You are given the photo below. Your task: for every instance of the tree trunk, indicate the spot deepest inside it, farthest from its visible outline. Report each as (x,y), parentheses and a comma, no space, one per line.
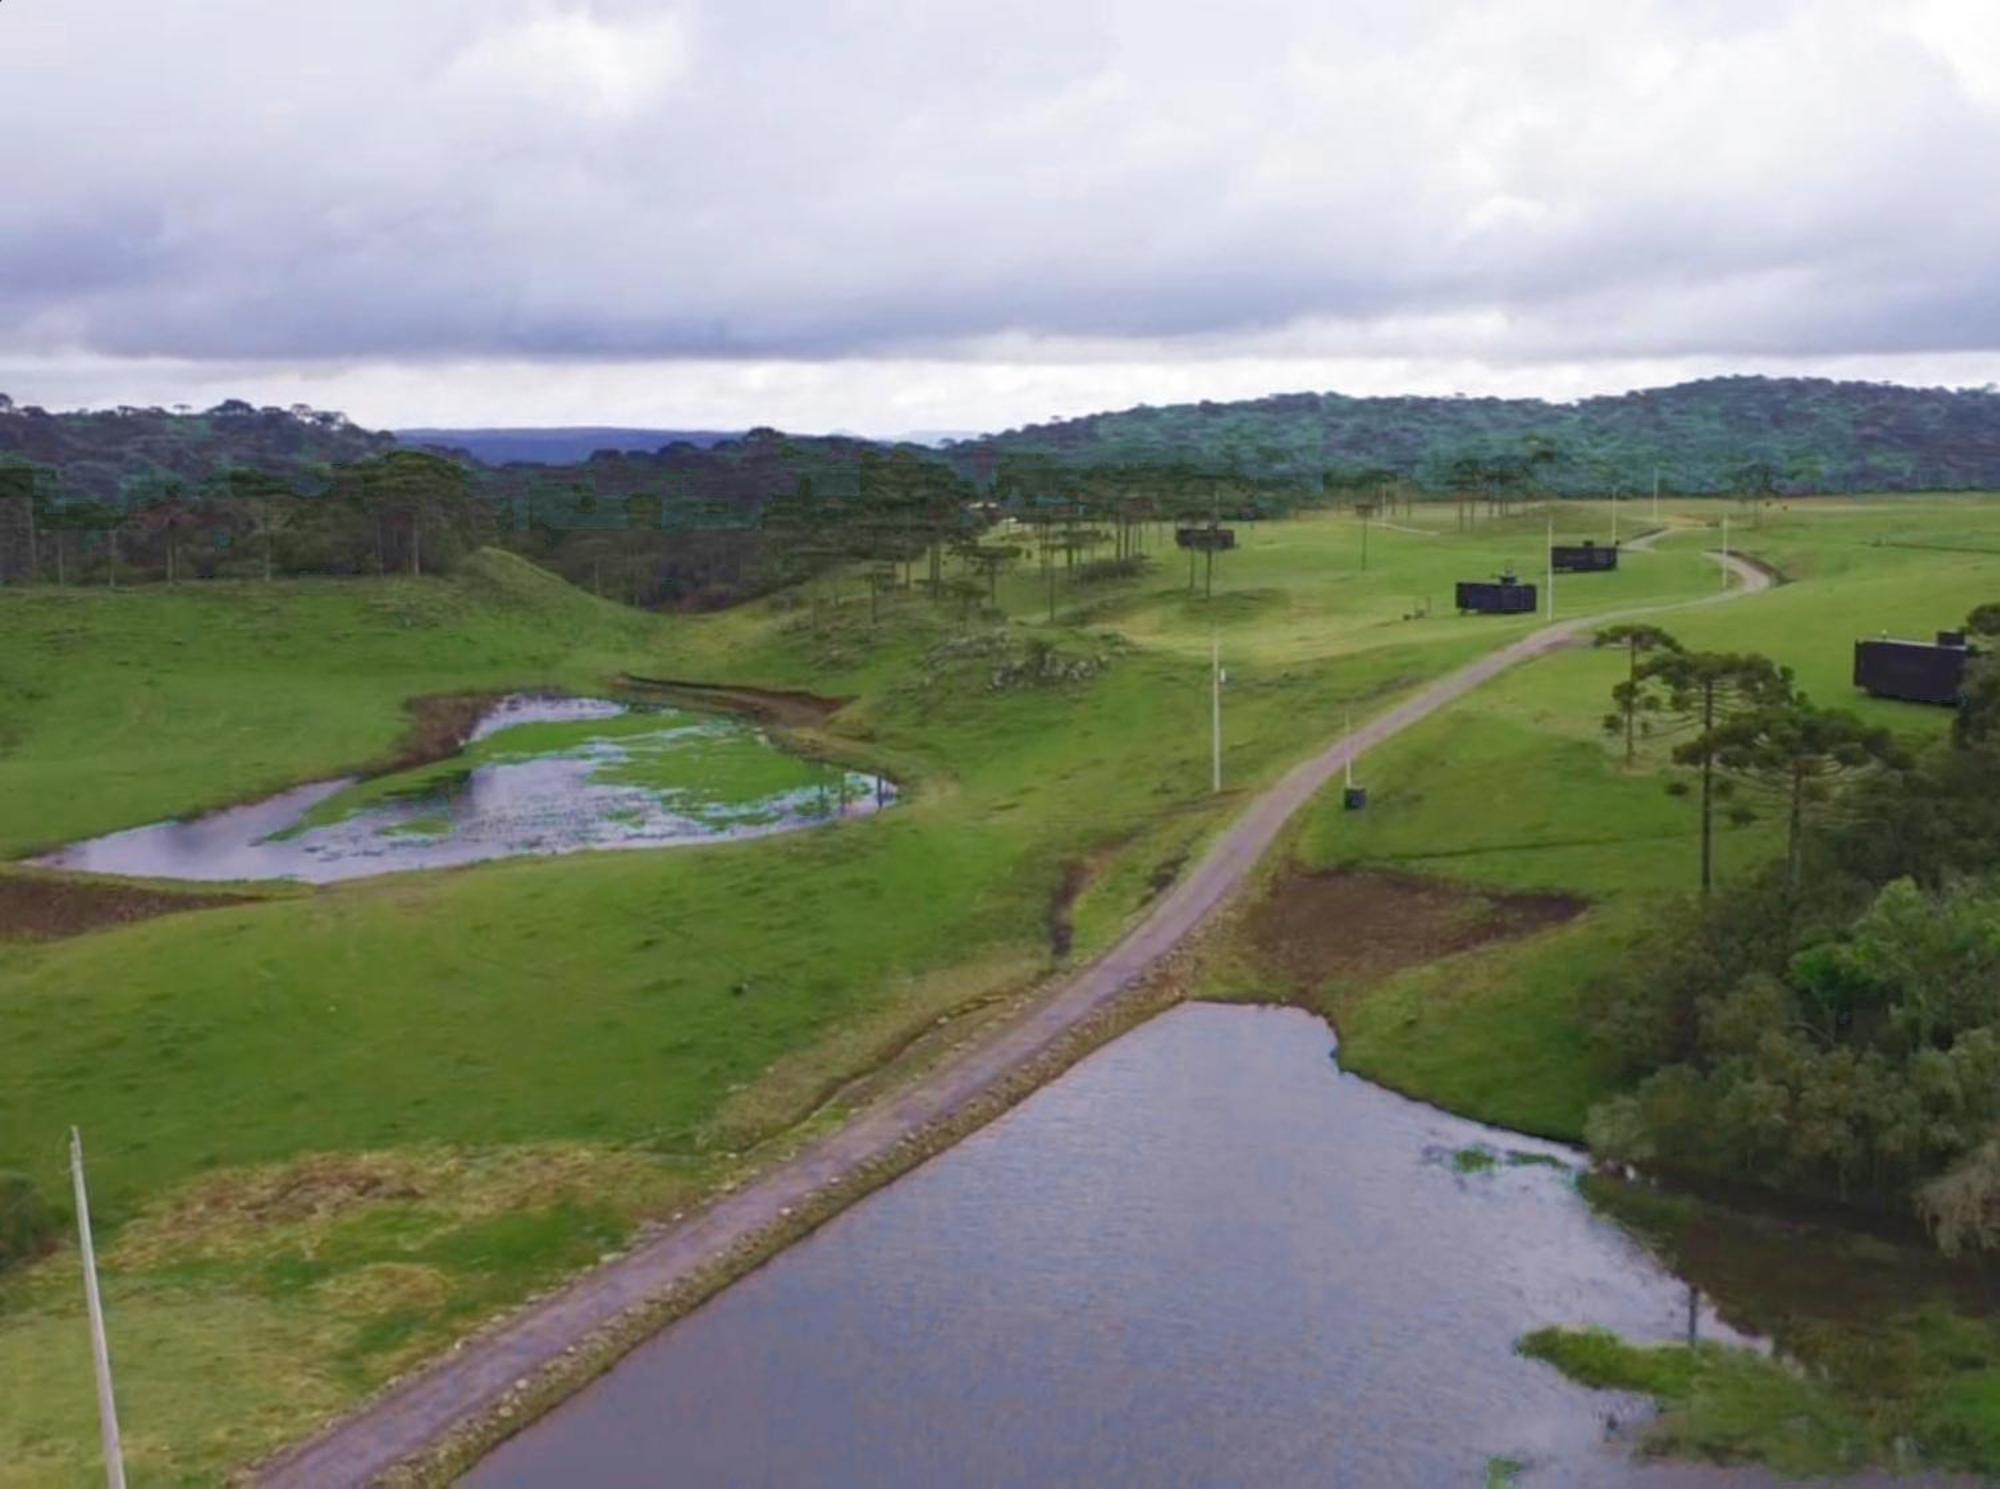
(1792,834)
(1631,698)
(1707,793)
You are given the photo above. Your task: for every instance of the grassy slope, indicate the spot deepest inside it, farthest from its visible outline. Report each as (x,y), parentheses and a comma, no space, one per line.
(653,1010)
(1519,788)
(128,707)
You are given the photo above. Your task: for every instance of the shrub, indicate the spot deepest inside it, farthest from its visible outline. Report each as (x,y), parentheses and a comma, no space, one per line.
(27,1225)
(1098,571)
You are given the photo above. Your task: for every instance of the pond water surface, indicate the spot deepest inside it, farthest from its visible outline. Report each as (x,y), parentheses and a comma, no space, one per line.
(1205,1256)
(537,776)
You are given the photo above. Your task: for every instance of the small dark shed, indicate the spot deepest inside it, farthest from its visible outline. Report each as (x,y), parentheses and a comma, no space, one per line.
(1504,596)
(1204,539)
(1914,671)
(1583,558)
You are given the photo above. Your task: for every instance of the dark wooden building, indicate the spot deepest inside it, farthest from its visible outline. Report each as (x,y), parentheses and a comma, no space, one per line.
(1583,558)
(1205,539)
(1503,596)
(1914,671)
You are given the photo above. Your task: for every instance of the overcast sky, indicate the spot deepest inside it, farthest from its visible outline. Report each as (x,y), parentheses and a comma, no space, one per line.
(895,216)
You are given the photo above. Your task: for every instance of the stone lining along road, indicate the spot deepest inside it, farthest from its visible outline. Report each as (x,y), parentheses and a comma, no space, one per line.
(413,1416)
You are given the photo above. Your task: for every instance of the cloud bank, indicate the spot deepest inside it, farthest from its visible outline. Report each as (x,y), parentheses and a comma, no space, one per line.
(765,212)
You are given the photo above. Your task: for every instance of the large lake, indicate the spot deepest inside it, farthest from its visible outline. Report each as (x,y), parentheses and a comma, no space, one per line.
(1205,1256)
(538,776)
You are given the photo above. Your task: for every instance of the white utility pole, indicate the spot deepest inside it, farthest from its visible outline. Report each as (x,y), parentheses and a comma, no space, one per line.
(107,1408)
(1215,710)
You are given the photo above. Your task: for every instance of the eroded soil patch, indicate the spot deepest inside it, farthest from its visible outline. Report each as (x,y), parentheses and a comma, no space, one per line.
(1350,927)
(37,908)
(793,710)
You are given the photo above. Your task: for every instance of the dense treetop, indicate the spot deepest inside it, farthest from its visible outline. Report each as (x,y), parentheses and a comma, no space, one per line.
(119,455)
(1806,434)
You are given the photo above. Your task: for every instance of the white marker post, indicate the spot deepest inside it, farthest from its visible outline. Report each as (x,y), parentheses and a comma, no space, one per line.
(107,1408)
(1215,711)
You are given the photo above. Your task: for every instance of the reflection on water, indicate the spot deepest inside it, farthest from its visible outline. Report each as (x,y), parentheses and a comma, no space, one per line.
(1205,1256)
(590,773)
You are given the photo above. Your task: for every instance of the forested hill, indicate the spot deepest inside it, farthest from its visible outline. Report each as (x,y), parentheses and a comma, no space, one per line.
(1804,434)
(119,456)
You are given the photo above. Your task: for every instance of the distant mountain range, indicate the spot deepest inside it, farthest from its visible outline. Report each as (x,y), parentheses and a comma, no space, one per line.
(560,445)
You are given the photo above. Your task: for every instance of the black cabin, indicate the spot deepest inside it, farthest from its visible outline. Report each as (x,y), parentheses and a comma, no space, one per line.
(1583,558)
(1504,596)
(1205,539)
(1914,671)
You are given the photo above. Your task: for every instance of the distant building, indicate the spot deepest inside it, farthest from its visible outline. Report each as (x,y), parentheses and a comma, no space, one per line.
(1914,671)
(1204,539)
(1504,596)
(1583,558)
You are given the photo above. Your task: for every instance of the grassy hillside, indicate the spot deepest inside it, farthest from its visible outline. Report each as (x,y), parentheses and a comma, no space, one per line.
(332,1130)
(133,705)
(1519,788)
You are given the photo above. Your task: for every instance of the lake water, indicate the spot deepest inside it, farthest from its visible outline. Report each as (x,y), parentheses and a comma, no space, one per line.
(538,776)
(1205,1256)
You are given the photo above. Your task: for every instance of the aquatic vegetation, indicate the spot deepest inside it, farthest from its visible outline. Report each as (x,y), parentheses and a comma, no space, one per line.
(537,776)
(1721,1403)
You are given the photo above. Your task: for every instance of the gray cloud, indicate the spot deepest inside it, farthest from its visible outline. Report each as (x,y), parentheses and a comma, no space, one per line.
(229,181)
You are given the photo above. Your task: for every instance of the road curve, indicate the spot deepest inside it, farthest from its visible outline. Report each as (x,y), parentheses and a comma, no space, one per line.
(416,1414)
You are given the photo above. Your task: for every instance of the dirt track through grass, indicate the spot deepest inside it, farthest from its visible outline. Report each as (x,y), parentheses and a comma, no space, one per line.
(490,1373)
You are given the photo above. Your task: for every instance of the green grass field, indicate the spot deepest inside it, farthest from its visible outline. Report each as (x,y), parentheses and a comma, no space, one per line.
(479,1080)
(1519,788)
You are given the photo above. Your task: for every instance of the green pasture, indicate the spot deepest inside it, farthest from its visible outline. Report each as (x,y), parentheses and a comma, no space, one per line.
(1519,787)
(657,1017)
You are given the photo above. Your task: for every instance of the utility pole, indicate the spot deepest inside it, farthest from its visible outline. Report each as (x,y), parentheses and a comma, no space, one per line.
(1215,710)
(1725,550)
(107,1408)
(1614,516)
(1656,493)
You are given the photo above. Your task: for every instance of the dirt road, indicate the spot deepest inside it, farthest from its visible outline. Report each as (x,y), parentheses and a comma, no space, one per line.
(477,1379)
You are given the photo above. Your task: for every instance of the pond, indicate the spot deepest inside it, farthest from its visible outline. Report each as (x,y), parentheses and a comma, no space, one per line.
(537,776)
(1204,1256)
